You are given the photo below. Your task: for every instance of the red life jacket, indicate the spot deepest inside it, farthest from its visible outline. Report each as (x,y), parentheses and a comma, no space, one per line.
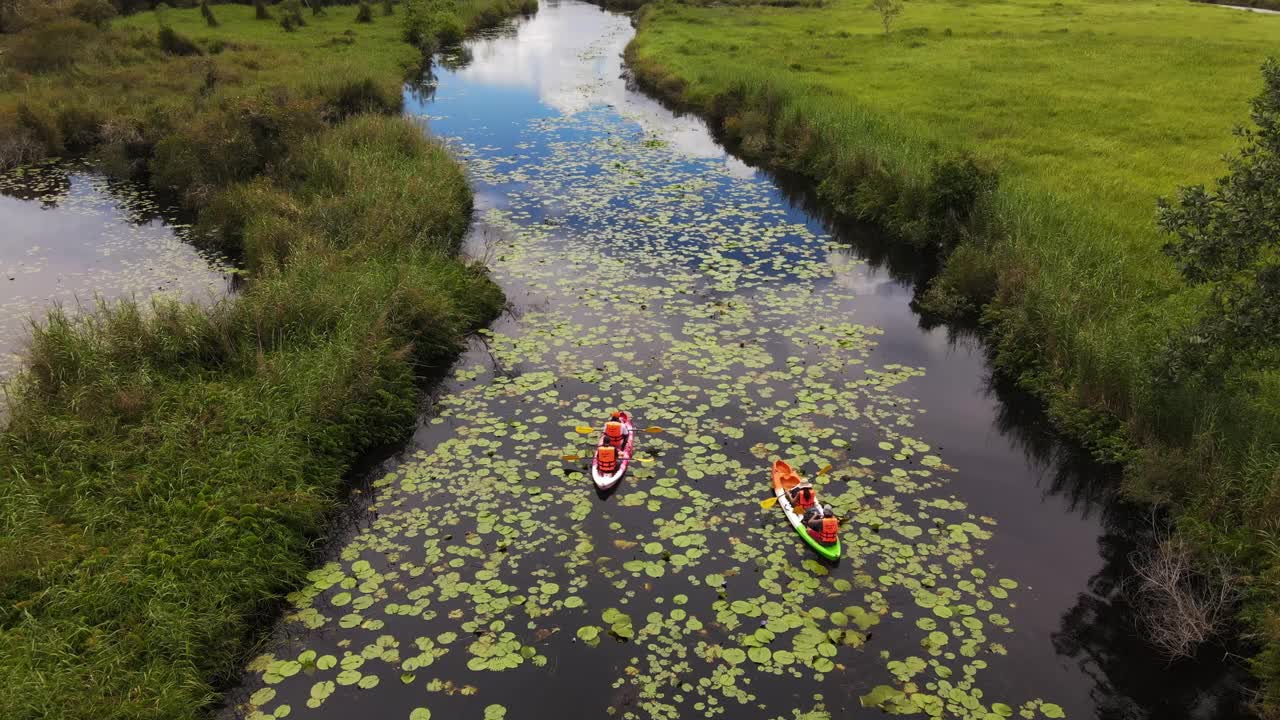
(830,528)
(607,459)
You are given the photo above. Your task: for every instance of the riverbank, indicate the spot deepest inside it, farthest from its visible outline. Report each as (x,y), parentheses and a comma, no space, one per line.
(166,469)
(943,133)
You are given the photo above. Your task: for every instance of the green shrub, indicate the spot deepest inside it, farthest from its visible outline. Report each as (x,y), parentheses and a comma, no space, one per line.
(292,10)
(958,191)
(360,95)
(95,12)
(80,126)
(50,47)
(42,125)
(260,11)
(175,43)
(365,13)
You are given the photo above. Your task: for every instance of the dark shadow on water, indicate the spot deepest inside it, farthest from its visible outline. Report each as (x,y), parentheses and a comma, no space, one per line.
(1100,634)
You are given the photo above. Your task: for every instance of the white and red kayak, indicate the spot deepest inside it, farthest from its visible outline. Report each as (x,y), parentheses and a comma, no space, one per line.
(613,452)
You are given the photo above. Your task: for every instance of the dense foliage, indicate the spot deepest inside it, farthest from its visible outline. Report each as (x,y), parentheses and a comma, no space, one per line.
(1230,238)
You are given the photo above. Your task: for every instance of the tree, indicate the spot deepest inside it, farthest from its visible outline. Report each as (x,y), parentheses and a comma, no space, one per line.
(207,14)
(260,10)
(1229,239)
(365,13)
(889,10)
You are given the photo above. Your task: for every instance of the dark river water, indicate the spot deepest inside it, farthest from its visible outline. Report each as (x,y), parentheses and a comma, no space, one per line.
(483,577)
(69,237)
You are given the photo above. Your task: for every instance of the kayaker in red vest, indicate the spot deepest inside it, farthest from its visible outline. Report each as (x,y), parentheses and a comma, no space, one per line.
(822,523)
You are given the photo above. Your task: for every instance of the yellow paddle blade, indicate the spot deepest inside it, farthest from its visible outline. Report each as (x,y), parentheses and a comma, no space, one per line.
(585,430)
(824,471)
(770,502)
(570,458)
(654,429)
(645,459)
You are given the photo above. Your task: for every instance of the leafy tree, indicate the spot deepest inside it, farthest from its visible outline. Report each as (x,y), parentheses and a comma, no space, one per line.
(1229,238)
(889,10)
(365,14)
(260,10)
(388,8)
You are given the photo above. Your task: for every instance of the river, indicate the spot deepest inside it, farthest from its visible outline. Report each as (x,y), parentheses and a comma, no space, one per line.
(482,576)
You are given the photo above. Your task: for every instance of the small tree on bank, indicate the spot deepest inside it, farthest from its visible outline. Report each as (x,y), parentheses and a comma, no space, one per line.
(889,10)
(205,12)
(388,8)
(260,10)
(365,14)
(1228,239)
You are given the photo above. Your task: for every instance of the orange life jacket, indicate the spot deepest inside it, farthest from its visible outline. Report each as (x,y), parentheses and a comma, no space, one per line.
(803,498)
(607,459)
(830,528)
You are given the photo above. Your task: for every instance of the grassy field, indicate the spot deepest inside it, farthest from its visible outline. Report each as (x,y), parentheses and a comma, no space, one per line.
(1029,143)
(165,470)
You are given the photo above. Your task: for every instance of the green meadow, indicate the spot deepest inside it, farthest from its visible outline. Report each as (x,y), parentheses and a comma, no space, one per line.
(165,470)
(1059,125)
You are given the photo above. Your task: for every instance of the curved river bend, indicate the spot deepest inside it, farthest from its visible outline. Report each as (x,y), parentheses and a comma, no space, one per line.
(648,269)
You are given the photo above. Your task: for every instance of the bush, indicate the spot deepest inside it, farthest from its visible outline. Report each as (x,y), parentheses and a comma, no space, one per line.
(959,188)
(260,10)
(431,23)
(174,43)
(365,14)
(17,145)
(94,12)
(356,96)
(50,47)
(292,11)
(388,8)
(80,127)
(42,126)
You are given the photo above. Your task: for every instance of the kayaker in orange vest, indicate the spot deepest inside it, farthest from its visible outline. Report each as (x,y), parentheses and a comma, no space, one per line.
(822,523)
(802,496)
(614,435)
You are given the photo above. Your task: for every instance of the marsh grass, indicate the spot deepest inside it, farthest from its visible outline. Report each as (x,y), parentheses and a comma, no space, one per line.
(1086,113)
(165,468)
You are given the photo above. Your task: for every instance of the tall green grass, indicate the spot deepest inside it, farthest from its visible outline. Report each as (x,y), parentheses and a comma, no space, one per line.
(165,469)
(1085,112)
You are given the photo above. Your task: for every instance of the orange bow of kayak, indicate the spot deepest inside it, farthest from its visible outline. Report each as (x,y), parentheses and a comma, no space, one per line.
(784,478)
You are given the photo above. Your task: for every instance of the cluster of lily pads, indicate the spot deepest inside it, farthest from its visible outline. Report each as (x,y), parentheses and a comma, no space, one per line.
(71,235)
(490,570)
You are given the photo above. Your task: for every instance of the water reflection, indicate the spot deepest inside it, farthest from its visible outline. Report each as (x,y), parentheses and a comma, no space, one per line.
(71,235)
